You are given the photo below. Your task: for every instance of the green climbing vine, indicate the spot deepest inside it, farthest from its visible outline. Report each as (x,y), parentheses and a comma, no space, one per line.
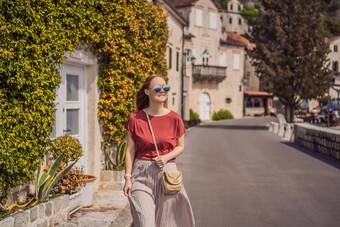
(129,38)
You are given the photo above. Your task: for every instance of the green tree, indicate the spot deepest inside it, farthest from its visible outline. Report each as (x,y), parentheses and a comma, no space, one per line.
(331,26)
(249,13)
(290,55)
(223,4)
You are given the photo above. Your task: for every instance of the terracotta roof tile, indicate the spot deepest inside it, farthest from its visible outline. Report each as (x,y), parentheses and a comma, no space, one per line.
(234,36)
(259,93)
(331,39)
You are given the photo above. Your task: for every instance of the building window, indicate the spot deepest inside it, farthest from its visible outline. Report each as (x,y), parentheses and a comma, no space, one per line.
(213,20)
(239,7)
(239,21)
(223,59)
(335,48)
(205,57)
(249,103)
(335,66)
(257,102)
(173,101)
(187,53)
(231,6)
(170,56)
(177,61)
(198,17)
(230,20)
(236,61)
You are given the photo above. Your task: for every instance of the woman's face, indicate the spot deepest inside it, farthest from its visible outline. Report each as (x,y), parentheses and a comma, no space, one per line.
(156,96)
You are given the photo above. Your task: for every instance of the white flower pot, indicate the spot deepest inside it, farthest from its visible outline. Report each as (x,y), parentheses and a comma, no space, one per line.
(87,195)
(75,202)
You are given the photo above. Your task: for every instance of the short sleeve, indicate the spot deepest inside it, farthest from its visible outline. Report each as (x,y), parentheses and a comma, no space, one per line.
(130,127)
(180,128)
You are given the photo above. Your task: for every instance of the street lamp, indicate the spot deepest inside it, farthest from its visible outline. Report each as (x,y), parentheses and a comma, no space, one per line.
(193,59)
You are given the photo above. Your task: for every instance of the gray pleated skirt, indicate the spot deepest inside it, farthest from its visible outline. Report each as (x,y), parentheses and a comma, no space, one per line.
(150,207)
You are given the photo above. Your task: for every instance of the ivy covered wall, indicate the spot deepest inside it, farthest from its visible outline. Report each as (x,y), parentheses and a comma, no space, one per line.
(129,39)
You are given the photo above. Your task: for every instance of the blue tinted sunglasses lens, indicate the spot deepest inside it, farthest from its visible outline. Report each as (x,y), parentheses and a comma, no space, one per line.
(166,87)
(157,88)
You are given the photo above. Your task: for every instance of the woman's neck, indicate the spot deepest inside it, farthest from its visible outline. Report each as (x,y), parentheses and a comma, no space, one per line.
(156,109)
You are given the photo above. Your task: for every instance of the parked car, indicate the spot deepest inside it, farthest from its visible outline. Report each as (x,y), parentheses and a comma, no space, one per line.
(333,106)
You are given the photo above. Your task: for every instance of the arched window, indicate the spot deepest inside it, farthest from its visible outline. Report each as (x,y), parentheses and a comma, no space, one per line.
(335,66)
(205,57)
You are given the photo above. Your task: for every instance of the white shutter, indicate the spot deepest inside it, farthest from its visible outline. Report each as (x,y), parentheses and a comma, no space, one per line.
(194,53)
(213,20)
(223,59)
(236,61)
(198,17)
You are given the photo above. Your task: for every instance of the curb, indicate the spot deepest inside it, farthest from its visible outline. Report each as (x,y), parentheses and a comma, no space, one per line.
(124,218)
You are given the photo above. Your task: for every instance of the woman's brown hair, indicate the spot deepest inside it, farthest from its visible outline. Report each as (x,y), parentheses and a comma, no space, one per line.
(142,100)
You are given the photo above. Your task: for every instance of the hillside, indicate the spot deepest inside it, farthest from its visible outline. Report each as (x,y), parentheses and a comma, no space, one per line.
(330,10)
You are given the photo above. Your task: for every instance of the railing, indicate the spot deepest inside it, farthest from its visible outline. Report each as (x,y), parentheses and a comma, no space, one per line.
(202,72)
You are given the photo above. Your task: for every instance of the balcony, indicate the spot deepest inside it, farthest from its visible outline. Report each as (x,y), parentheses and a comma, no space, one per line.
(206,72)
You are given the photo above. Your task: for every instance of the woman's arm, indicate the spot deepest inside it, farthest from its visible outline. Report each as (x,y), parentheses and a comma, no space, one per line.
(129,157)
(162,160)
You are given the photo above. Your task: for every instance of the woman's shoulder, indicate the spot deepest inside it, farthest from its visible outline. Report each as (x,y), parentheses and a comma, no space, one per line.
(174,115)
(136,115)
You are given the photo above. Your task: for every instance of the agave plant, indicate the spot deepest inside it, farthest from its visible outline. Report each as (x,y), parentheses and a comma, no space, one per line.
(121,150)
(120,154)
(46,181)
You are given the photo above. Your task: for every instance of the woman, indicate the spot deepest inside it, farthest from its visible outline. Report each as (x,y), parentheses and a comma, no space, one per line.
(150,207)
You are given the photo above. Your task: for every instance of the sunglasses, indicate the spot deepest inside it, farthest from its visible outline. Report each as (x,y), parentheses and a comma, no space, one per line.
(157,88)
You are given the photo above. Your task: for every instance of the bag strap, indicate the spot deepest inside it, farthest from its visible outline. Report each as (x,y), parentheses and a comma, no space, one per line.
(153,136)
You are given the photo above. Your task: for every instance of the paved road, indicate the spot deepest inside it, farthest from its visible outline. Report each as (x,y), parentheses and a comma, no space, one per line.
(237,173)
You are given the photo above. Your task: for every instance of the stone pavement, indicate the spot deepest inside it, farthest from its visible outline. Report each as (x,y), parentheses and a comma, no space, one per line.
(110,209)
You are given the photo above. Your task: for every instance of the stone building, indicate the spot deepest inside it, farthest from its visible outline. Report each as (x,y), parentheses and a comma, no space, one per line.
(232,21)
(213,65)
(334,60)
(174,56)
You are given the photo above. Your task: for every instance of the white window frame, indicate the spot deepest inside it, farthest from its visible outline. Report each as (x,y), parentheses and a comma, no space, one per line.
(199,17)
(213,20)
(187,55)
(205,57)
(236,61)
(223,59)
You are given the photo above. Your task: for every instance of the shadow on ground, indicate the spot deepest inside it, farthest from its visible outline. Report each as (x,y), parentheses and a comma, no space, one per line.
(322,157)
(234,127)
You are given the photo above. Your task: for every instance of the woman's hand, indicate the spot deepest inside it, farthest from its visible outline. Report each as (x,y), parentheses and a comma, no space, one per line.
(127,187)
(161,161)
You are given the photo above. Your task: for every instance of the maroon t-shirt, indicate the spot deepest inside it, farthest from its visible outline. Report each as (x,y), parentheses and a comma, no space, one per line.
(167,129)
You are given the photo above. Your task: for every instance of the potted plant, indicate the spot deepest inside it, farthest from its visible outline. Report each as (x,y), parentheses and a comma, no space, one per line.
(113,177)
(44,184)
(72,182)
(87,195)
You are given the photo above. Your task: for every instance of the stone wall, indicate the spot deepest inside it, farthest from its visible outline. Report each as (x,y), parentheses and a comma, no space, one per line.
(252,111)
(52,213)
(19,193)
(319,139)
